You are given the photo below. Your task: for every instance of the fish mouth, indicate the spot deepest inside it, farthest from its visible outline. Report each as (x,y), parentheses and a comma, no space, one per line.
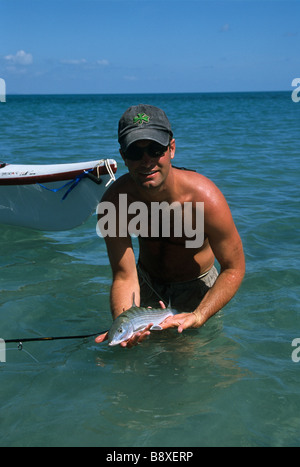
(113,343)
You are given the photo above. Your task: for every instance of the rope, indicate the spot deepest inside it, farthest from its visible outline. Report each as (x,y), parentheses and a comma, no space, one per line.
(74,183)
(109,170)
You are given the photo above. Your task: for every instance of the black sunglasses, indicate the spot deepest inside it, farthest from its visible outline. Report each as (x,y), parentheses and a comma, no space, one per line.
(135,153)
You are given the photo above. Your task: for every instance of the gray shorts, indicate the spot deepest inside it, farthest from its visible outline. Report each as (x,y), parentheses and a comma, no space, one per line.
(184,296)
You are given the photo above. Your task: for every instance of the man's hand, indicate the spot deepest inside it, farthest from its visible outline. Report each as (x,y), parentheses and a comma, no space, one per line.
(182,321)
(101,338)
(136,339)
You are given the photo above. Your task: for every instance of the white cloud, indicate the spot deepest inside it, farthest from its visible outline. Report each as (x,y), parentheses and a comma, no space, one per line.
(84,62)
(130,78)
(21,58)
(103,62)
(81,61)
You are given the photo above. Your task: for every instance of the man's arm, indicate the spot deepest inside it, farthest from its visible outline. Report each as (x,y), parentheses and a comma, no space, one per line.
(120,251)
(227,247)
(125,278)
(125,284)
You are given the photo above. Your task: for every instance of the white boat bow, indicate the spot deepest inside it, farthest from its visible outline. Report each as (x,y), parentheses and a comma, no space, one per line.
(53,197)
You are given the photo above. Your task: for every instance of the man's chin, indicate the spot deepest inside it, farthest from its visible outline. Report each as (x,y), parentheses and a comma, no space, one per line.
(148,180)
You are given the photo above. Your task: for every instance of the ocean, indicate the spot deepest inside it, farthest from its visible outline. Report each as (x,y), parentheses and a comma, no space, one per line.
(235,381)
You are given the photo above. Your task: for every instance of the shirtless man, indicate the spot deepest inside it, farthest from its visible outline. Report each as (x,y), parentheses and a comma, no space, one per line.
(167,269)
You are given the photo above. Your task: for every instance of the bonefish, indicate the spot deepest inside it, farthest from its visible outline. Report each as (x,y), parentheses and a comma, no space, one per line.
(136,319)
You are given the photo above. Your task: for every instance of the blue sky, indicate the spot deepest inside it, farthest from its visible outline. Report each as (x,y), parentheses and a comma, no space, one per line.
(139,46)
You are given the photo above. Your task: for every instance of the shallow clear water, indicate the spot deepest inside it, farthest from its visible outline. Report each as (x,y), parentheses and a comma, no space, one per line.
(231,383)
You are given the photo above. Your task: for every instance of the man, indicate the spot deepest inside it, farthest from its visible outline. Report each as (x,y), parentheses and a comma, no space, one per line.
(167,269)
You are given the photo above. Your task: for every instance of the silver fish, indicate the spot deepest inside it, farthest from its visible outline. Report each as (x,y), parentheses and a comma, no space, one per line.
(136,319)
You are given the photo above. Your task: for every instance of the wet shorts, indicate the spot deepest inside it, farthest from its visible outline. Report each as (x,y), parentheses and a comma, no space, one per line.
(184,296)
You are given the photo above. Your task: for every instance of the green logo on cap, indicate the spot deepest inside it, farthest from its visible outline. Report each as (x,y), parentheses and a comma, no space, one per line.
(141,118)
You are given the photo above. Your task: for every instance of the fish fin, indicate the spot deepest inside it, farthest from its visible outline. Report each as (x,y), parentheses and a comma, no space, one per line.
(156,327)
(133,299)
(169,305)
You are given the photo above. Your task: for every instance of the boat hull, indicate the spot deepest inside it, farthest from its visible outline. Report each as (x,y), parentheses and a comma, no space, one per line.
(52,198)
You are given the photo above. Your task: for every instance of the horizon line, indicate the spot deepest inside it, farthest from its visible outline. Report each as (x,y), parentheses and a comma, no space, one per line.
(143,93)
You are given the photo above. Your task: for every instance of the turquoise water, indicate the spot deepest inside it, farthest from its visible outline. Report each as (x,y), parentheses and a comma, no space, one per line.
(231,383)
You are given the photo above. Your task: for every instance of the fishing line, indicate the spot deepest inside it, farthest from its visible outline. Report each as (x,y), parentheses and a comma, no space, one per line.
(40,339)
(20,347)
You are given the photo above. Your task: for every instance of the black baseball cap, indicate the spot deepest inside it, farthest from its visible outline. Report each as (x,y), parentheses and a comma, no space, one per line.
(144,122)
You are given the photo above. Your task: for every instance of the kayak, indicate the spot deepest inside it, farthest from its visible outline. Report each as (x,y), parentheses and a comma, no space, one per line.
(53,197)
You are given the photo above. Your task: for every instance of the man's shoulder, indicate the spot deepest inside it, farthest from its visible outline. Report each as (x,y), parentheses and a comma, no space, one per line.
(121,185)
(198,184)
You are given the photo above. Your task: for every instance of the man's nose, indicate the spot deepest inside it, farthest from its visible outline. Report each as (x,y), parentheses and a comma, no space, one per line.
(147,158)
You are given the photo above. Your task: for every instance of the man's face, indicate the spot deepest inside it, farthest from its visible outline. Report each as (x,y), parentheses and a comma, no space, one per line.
(153,164)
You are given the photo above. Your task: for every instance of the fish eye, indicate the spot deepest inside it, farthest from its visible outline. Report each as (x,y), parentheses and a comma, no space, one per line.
(120,330)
